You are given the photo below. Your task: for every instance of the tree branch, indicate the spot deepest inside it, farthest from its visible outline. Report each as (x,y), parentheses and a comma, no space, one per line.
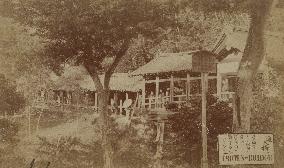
(124,47)
(91,68)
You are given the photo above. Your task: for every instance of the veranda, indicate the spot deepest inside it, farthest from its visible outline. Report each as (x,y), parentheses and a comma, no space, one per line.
(176,77)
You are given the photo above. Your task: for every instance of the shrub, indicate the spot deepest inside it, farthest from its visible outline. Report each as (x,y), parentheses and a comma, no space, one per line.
(8,143)
(183,133)
(10,100)
(8,131)
(132,146)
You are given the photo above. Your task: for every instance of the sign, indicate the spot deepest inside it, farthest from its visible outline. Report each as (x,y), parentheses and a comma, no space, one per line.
(204,61)
(245,149)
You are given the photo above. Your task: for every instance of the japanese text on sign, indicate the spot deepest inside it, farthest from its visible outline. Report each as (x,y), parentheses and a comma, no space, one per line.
(245,149)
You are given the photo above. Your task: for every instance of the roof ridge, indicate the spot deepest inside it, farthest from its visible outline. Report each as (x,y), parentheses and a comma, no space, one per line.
(176,54)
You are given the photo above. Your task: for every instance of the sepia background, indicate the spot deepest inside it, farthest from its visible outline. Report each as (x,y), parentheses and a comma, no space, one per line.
(138,83)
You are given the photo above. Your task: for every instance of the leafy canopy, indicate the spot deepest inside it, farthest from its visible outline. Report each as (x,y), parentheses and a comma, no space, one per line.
(88,31)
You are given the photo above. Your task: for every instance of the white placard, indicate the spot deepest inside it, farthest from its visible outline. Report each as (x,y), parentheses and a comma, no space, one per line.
(245,149)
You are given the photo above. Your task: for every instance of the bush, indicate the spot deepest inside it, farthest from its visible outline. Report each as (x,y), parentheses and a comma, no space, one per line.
(8,153)
(10,100)
(8,131)
(183,133)
(69,152)
(132,146)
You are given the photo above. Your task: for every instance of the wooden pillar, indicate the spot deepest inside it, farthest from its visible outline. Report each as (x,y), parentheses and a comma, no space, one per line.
(115,98)
(172,88)
(234,125)
(143,93)
(157,93)
(120,107)
(219,85)
(204,84)
(187,87)
(126,96)
(29,121)
(160,136)
(96,101)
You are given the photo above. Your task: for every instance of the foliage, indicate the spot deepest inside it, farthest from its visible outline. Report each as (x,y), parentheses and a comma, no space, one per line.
(193,30)
(132,145)
(20,57)
(90,30)
(69,152)
(8,131)
(10,100)
(183,135)
(8,137)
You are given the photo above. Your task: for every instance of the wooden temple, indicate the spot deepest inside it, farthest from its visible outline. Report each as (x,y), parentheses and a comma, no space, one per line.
(176,77)
(74,89)
(169,77)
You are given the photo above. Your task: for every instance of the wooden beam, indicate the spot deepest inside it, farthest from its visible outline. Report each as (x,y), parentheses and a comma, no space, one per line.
(143,93)
(204,89)
(235,119)
(178,79)
(120,107)
(160,139)
(219,85)
(171,88)
(96,101)
(126,96)
(115,98)
(157,92)
(187,86)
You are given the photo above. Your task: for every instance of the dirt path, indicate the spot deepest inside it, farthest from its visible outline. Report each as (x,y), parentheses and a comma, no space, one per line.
(81,128)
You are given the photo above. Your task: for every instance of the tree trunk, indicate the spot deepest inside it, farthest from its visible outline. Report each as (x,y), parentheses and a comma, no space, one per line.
(103,97)
(252,58)
(104,119)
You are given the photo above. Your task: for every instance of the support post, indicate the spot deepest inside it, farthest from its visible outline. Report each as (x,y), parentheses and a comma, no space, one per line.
(160,136)
(204,84)
(38,121)
(172,88)
(120,107)
(143,93)
(96,101)
(219,85)
(115,102)
(187,87)
(29,121)
(157,93)
(126,96)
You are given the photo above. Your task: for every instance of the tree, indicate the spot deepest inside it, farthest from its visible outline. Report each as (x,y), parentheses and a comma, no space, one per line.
(260,14)
(86,32)
(11,100)
(253,55)
(254,52)
(20,61)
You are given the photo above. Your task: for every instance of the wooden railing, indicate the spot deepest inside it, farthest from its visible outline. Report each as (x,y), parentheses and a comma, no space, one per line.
(53,105)
(149,103)
(160,102)
(179,99)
